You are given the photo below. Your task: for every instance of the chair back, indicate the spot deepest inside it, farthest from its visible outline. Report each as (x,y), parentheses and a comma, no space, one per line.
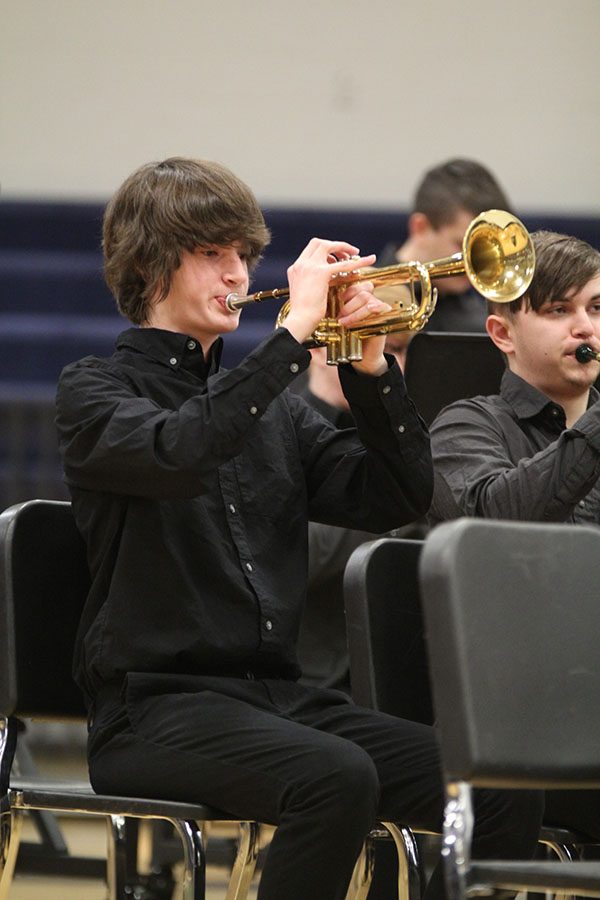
(512,613)
(388,660)
(44,581)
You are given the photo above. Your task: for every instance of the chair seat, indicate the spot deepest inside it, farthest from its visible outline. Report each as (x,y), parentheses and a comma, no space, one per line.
(78,796)
(556,877)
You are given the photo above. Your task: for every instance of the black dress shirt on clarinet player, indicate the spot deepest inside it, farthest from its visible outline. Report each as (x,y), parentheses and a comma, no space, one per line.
(511,456)
(193,485)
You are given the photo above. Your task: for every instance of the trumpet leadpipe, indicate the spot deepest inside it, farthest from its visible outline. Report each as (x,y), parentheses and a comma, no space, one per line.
(390,275)
(234,301)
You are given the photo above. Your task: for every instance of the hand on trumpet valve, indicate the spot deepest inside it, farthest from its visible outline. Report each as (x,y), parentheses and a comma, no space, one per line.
(359,304)
(309,279)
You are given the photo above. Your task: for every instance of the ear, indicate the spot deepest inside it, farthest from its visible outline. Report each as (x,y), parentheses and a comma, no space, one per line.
(499,329)
(418,223)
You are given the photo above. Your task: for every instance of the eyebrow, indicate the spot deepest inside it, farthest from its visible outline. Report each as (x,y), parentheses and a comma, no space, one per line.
(568,300)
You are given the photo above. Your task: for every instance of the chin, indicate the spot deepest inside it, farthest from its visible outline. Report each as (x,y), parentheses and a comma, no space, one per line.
(584,383)
(231,324)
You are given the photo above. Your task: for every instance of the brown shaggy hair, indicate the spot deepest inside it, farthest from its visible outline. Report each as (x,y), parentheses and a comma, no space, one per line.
(165,208)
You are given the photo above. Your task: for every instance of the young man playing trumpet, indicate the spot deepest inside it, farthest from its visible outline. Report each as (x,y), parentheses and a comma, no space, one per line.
(192,486)
(532,452)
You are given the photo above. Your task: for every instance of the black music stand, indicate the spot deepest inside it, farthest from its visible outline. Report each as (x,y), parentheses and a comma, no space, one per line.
(442,367)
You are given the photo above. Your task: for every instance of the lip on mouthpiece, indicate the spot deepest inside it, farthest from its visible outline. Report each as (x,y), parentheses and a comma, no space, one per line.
(230,301)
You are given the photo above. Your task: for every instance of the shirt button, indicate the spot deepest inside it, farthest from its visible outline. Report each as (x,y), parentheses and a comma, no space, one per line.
(582,502)
(173,360)
(386,389)
(401,429)
(294,368)
(249,567)
(269,625)
(191,345)
(253,410)
(231,508)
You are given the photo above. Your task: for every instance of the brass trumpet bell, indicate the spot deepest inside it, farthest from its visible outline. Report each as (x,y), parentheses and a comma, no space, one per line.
(497,257)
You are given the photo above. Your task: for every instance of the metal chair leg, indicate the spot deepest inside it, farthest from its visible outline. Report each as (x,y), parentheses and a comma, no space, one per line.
(116,862)
(245,861)
(362,875)
(11,822)
(409,875)
(456,838)
(194,860)
(565,852)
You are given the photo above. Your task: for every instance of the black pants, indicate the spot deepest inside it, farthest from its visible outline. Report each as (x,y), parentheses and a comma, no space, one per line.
(579,810)
(305,759)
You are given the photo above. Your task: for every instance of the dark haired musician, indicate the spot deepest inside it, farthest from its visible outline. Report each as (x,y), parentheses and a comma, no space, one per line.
(447,198)
(532,452)
(192,486)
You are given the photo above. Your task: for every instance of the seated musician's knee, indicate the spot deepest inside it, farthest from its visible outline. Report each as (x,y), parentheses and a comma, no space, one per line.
(508,823)
(341,785)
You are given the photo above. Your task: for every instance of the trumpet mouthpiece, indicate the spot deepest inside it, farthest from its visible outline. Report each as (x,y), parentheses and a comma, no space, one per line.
(230,300)
(585,354)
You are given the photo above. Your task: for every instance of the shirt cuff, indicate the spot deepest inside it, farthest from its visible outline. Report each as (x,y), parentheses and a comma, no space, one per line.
(365,390)
(280,357)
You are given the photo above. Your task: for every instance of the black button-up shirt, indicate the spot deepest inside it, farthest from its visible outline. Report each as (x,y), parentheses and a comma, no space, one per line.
(193,485)
(511,456)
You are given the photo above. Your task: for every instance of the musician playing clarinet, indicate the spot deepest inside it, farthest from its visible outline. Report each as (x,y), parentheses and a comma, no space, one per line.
(532,452)
(192,487)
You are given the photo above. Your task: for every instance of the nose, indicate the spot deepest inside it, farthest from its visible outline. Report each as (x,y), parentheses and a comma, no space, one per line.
(235,269)
(582,324)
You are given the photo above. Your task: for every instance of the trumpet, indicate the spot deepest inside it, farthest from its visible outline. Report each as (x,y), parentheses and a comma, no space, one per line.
(497,257)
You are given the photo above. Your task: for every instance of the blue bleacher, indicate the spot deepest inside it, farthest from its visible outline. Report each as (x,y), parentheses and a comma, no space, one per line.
(55,308)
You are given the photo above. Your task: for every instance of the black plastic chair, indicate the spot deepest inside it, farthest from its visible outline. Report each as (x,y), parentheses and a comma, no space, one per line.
(384,625)
(512,621)
(389,666)
(43,582)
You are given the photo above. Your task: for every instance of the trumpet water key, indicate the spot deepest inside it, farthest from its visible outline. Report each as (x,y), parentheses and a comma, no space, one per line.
(497,257)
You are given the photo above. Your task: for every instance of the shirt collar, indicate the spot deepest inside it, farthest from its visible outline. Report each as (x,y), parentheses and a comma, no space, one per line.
(172,349)
(526,400)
